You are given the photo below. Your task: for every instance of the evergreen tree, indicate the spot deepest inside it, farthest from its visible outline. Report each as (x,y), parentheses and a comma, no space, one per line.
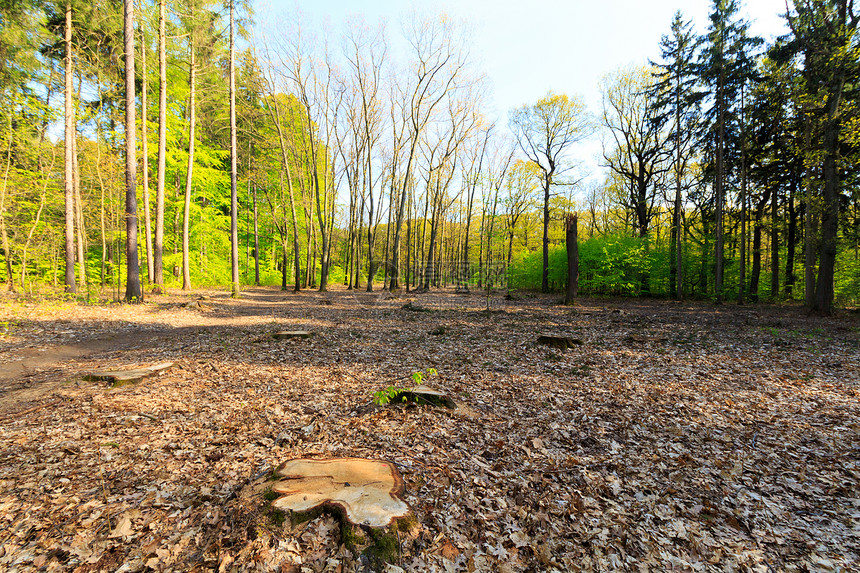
(725,65)
(677,104)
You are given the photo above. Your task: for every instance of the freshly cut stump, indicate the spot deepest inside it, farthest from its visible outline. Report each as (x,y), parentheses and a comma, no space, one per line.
(368,491)
(287,334)
(560,342)
(117,377)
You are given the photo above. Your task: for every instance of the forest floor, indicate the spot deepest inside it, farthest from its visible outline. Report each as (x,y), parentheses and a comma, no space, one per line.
(677,436)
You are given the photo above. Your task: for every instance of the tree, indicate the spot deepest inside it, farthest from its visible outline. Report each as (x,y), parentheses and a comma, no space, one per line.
(158,247)
(192,120)
(234,160)
(677,103)
(68,145)
(132,289)
(826,35)
(571,242)
(725,65)
(545,131)
(439,64)
(638,140)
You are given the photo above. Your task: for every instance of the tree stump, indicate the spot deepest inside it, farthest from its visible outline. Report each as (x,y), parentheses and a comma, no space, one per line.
(642,338)
(366,491)
(424,395)
(559,342)
(120,377)
(288,334)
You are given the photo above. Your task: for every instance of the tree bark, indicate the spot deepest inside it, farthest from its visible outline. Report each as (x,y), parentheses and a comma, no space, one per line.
(544,284)
(132,290)
(158,247)
(69,184)
(774,246)
(571,231)
(189,172)
(144,142)
(824,289)
(256,239)
(234,202)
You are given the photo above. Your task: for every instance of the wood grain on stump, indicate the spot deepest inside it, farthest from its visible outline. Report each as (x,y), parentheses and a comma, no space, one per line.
(368,491)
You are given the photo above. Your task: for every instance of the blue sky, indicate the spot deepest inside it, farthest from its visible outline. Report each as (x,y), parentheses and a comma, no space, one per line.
(529,48)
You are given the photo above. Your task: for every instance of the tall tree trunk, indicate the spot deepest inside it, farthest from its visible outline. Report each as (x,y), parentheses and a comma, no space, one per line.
(572,259)
(743,238)
(824,289)
(544,284)
(790,242)
(256,239)
(718,218)
(810,227)
(158,247)
(69,184)
(144,142)
(234,201)
(80,227)
(4,235)
(132,290)
(189,171)
(774,246)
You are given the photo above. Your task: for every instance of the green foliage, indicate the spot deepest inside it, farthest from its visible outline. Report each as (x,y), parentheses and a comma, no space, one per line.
(611,265)
(386,395)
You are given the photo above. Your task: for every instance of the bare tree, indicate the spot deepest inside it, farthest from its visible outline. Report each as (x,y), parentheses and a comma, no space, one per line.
(637,140)
(545,132)
(439,60)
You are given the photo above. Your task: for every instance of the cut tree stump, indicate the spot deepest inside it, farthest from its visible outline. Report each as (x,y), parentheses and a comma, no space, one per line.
(367,491)
(414,307)
(642,339)
(424,395)
(196,304)
(119,377)
(559,342)
(287,334)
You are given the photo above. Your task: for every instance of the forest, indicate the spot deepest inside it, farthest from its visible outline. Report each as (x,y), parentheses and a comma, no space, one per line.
(293,298)
(263,154)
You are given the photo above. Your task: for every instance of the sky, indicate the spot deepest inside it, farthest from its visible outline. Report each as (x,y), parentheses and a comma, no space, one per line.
(530,48)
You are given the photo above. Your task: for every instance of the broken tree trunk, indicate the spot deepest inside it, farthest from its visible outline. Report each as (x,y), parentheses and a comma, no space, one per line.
(119,377)
(367,491)
(572,259)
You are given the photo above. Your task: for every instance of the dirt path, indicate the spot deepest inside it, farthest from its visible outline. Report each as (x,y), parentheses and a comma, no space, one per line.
(39,360)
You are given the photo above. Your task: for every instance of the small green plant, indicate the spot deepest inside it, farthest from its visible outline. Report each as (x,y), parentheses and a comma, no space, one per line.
(386,395)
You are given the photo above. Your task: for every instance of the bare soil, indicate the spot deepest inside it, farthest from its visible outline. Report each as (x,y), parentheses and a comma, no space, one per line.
(676,436)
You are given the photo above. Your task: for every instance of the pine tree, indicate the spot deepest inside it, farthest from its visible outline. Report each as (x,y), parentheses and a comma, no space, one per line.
(825,33)
(678,103)
(725,65)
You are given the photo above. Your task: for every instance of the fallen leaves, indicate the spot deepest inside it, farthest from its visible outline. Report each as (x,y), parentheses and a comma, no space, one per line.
(674,437)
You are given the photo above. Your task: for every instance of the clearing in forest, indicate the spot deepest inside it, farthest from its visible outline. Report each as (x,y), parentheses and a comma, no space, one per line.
(665,436)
